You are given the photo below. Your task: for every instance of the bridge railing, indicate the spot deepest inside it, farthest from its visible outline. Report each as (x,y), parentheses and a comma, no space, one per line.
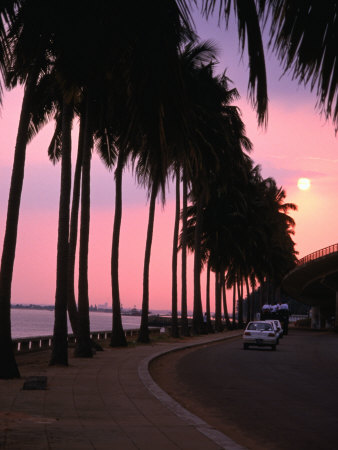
(318,254)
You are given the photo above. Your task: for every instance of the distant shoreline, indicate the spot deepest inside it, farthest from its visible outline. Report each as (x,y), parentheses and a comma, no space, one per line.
(128,312)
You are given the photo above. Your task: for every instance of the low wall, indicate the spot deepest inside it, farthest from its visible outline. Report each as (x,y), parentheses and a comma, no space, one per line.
(39,343)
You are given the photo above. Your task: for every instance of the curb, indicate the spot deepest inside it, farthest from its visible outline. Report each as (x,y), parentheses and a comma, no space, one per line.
(223,441)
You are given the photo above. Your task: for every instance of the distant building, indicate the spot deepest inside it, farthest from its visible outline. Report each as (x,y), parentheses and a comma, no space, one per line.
(104,306)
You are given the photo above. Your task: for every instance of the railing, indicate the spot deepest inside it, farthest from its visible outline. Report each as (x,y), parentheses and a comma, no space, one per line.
(294,317)
(39,343)
(318,254)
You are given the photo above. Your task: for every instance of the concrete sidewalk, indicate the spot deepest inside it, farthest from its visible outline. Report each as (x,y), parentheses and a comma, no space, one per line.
(108,402)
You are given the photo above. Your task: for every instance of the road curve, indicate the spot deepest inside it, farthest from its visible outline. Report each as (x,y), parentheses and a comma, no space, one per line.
(283,400)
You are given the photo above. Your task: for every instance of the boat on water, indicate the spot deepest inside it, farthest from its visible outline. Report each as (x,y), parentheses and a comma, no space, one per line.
(131,312)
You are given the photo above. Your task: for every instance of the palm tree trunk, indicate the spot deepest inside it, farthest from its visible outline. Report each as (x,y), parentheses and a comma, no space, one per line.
(144,331)
(225,306)
(248,302)
(218,302)
(83,343)
(234,304)
(8,366)
(174,322)
(207,301)
(184,312)
(240,304)
(198,313)
(71,303)
(60,345)
(260,296)
(118,338)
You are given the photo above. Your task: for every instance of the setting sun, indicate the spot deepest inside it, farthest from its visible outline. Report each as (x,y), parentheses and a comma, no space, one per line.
(304,184)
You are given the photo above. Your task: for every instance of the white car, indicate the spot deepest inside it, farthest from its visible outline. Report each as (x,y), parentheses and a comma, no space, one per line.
(260,333)
(277,327)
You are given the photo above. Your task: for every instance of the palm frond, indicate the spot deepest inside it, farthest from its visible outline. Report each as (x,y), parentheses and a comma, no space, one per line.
(304,35)
(249,33)
(55,146)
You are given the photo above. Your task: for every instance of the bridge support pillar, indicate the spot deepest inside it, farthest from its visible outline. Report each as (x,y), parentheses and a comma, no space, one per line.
(336,313)
(315,317)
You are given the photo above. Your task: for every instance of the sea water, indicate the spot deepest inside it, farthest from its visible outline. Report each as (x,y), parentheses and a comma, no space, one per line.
(35,322)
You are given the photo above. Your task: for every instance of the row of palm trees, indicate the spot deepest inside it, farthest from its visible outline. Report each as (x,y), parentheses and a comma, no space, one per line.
(143,91)
(246,235)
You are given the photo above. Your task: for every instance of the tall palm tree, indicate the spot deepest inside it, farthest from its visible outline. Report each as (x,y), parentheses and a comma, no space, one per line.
(60,345)
(207,299)
(73,232)
(174,319)
(183,246)
(83,344)
(144,331)
(218,302)
(118,337)
(193,57)
(9,368)
(15,67)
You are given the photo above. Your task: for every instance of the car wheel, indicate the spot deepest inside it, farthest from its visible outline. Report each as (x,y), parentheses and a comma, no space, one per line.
(245,346)
(273,347)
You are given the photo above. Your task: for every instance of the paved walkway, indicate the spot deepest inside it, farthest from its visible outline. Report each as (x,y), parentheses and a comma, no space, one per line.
(108,402)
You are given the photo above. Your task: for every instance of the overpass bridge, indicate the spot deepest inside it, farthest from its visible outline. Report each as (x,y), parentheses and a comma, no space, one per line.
(314,281)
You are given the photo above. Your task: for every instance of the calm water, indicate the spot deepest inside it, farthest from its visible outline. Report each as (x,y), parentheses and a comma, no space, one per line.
(28,323)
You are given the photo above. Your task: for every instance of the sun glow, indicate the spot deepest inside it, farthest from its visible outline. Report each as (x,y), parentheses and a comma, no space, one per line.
(304,184)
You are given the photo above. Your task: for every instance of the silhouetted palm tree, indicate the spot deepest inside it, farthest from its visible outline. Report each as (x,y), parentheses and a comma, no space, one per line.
(83,343)
(174,319)
(60,346)
(17,67)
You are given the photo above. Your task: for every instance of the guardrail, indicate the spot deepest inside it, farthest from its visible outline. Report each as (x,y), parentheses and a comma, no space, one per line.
(318,254)
(39,343)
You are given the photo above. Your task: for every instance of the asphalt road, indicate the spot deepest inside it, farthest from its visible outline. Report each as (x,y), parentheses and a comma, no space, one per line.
(262,399)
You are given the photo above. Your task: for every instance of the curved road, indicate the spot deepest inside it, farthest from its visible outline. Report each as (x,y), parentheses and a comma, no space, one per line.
(262,399)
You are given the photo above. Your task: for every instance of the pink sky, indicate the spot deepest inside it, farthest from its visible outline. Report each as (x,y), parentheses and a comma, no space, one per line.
(297,143)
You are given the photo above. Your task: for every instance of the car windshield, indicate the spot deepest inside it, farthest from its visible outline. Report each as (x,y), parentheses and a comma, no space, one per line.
(260,326)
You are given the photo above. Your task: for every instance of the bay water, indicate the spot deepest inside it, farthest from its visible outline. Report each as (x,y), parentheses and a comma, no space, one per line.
(36,322)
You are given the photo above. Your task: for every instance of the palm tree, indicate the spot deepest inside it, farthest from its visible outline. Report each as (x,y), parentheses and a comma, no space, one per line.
(156,104)
(48,99)
(73,232)
(183,246)
(174,320)
(118,337)
(16,69)
(9,368)
(193,57)
(83,343)
(60,345)
(144,332)
(218,302)
(207,299)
